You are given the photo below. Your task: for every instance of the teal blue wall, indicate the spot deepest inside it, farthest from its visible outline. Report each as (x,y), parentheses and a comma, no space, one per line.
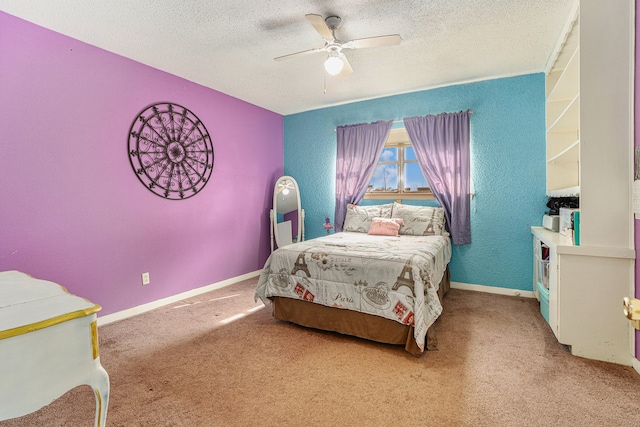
(507,166)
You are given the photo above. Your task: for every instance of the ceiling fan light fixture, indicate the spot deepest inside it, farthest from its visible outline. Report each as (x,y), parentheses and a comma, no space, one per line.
(333,64)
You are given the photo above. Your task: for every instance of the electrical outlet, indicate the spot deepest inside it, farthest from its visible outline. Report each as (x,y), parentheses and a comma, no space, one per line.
(145,279)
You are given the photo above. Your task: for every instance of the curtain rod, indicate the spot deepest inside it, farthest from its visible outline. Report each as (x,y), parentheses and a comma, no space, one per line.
(402,120)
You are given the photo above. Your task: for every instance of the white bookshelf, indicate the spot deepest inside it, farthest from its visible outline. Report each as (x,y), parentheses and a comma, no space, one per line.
(589,154)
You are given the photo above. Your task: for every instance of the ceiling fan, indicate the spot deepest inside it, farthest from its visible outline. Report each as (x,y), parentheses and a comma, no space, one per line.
(336,60)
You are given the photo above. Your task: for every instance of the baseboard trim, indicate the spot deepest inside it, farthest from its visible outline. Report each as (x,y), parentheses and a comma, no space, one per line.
(124,314)
(493,290)
(636,364)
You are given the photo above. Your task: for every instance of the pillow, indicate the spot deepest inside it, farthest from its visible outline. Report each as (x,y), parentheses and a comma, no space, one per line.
(385,226)
(420,220)
(358,218)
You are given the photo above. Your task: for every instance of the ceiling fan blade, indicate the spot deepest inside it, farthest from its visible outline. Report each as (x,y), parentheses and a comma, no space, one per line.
(293,55)
(391,40)
(346,69)
(321,27)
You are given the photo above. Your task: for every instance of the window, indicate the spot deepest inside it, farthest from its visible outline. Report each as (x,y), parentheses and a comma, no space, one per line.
(397,174)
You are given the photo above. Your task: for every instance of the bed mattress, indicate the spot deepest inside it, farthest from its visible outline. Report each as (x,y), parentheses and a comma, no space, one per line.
(395,278)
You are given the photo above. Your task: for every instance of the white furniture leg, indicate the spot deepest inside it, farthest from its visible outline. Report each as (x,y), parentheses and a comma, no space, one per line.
(48,346)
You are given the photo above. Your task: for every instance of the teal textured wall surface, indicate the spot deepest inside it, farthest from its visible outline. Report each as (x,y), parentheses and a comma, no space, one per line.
(507,168)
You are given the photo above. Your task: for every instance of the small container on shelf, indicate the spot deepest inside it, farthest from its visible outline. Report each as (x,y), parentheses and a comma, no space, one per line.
(544,302)
(565,220)
(575,220)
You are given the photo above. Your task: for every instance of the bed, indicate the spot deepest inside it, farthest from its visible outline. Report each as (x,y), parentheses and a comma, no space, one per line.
(363,281)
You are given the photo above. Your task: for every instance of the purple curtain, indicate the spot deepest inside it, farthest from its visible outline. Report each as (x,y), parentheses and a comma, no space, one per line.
(359,148)
(441,144)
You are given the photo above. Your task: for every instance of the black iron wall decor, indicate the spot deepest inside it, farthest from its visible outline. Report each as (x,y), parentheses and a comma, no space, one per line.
(170,151)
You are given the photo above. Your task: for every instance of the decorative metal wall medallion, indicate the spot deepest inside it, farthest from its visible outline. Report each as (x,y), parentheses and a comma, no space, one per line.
(170,151)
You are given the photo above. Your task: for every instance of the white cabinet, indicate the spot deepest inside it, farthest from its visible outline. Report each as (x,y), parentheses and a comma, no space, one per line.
(589,144)
(586,289)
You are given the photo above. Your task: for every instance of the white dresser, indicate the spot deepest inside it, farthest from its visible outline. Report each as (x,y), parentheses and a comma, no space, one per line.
(48,346)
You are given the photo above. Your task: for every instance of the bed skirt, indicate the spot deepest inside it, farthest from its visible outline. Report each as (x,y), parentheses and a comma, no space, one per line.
(354,323)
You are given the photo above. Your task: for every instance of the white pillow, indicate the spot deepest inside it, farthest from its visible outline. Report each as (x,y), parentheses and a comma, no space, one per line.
(358,218)
(420,220)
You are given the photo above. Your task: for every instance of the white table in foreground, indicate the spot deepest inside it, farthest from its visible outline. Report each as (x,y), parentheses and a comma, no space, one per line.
(48,346)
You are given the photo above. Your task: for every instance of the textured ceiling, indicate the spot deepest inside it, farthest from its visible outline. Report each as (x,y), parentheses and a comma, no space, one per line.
(229,45)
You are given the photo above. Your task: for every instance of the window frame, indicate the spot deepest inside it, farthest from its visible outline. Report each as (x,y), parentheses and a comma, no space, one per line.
(398,138)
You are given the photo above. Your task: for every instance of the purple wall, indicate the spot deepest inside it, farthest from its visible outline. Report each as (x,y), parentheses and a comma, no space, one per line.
(637,142)
(71,208)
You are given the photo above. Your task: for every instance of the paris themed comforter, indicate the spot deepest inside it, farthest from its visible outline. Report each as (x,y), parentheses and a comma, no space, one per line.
(393,277)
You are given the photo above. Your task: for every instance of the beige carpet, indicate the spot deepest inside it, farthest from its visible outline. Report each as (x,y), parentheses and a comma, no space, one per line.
(498,364)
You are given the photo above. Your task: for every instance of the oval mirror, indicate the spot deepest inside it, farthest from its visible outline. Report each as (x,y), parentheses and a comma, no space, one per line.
(287,217)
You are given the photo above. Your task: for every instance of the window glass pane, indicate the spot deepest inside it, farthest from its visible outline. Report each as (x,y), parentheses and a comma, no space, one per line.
(385,178)
(414,180)
(389,155)
(409,154)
